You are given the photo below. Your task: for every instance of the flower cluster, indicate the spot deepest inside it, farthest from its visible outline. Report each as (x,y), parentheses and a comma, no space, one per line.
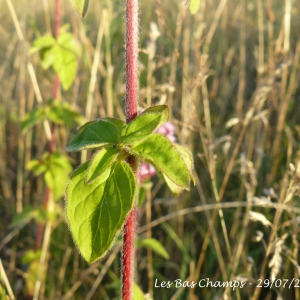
(147,170)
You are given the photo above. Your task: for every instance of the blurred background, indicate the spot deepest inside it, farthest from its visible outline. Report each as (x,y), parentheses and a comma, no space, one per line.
(230,74)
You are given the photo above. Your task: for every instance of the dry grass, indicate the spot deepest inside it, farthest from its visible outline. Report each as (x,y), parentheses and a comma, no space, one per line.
(230,75)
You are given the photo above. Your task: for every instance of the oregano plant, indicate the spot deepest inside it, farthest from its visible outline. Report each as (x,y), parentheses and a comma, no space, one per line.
(101,193)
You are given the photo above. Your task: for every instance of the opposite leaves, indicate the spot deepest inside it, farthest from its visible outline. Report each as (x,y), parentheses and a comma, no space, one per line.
(101,192)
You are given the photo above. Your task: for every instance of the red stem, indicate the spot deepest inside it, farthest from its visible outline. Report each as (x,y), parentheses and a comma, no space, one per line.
(51,143)
(132,85)
(132,76)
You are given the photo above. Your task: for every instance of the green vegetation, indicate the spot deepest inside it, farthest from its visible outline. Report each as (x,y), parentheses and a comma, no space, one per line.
(230,76)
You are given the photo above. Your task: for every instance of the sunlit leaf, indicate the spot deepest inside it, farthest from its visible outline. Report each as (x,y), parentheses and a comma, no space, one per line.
(30,256)
(144,124)
(57,174)
(97,211)
(23,217)
(60,112)
(33,118)
(100,162)
(81,6)
(163,155)
(175,189)
(65,65)
(42,42)
(37,166)
(116,122)
(94,135)
(194,6)
(155,245)
(137,293)
(187,157)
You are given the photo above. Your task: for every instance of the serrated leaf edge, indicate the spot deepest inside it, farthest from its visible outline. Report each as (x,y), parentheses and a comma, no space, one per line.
(117,233)
(159,169)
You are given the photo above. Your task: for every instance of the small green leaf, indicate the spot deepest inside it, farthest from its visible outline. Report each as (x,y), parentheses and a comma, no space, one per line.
(64,38)
(163,155)
(100,162)
(60,112)
(144,124)
(137,293)
(30,256)
(67,42)
(23,217)
(37,166)
(41,43)
(95,134)
(65,65)
(57,174)
(32,118)
(194,6)
(97,211)
(81,6)
(155,246)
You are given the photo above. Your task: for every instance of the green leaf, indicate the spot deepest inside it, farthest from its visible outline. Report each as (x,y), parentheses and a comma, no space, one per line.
(164,156)
(67,42)
(194,6)
(137,293)
(64,38)
(32,118)
(175,189)
(30,256)
(60,112)
(155,246)
(41,43)
(187,157)
(100,163)
(65,65)
(144,124)
(95,134)
(61,54)
(116,122)
(81,6)
(96,212)
(38,166)
(23,217)
(48,56)
(57,174)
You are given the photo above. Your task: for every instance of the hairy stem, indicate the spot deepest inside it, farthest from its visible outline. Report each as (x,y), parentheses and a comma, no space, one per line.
(132,79)
(132,84)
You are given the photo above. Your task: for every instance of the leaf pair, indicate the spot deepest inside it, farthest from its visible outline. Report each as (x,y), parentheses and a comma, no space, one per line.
(101,192)
(61,54)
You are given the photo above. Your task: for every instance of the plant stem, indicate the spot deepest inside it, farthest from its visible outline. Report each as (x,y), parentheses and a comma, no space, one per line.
(132,79)
(51,144)
(132,84)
